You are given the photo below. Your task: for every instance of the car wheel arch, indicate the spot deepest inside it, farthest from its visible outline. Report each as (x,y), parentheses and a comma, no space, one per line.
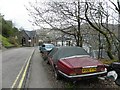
(56,73)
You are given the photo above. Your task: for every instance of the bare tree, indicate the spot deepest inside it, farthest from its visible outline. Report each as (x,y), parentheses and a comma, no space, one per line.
(61,16)
(117,8)
(101,27)
(68,17)
(117,38)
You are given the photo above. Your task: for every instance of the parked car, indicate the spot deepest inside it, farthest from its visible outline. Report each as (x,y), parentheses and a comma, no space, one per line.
(114,72)
(45,49)
(50,55)
(74,63)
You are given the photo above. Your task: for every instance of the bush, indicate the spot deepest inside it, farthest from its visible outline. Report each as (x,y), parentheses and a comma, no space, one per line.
(13,41)
(5,42)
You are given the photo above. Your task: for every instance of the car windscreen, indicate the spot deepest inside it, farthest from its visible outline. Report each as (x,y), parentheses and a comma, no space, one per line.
(69,51)
(49,46)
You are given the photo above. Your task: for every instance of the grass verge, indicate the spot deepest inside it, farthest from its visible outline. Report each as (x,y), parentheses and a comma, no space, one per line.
(5,42)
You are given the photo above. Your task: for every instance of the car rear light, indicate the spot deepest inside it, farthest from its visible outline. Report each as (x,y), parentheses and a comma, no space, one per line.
(65,68)
(78,70)
(101,68)
(72,73)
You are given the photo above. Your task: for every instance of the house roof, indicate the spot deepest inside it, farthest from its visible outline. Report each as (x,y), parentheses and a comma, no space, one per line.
(31,33)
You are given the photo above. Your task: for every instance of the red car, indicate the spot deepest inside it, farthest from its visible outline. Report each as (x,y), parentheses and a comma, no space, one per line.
(74,63)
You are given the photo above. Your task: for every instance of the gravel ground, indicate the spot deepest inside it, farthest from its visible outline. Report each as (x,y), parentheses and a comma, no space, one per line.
(89,83)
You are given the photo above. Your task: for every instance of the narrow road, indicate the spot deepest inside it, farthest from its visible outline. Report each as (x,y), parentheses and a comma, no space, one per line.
(12,62)
(39,76)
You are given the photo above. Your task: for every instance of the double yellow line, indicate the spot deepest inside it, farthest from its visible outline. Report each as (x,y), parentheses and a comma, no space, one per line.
(24,70)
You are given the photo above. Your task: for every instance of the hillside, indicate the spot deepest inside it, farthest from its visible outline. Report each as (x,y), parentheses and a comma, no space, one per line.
(5,42)
(9,34)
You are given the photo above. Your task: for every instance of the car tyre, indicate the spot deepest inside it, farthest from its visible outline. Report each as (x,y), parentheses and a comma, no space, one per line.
(118,81)
(48,62)
(56,74)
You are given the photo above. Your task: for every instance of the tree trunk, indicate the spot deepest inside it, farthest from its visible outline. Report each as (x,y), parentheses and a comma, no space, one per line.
(119,29)
(109,48)
(79,42)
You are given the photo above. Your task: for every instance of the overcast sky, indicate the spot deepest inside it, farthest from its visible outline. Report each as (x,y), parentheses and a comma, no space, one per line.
(15,10)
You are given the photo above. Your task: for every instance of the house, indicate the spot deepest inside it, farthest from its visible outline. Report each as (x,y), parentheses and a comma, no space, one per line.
(29,38)
(64,40)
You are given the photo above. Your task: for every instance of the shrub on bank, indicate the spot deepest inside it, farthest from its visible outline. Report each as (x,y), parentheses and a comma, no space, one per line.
(5,42)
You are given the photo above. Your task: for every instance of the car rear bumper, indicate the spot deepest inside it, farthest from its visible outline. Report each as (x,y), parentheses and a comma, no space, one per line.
(83,75)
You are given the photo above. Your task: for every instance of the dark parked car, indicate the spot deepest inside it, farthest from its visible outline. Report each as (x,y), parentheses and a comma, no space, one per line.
(74,63)
(113,69)
(45,49)
(50,55)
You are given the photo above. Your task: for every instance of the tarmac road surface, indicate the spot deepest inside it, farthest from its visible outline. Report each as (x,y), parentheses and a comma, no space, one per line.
(12,62)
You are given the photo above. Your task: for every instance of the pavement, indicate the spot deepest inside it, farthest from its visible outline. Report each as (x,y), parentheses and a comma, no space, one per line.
(38,77)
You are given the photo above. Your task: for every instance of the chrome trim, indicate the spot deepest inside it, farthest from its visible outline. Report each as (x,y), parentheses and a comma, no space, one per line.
(84,75)
(75,56)
(89,66)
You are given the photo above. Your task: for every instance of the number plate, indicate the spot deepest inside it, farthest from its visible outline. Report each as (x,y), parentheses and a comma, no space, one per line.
(87,70)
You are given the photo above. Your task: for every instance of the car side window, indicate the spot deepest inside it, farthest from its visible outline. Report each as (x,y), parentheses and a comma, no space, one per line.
(43,45)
